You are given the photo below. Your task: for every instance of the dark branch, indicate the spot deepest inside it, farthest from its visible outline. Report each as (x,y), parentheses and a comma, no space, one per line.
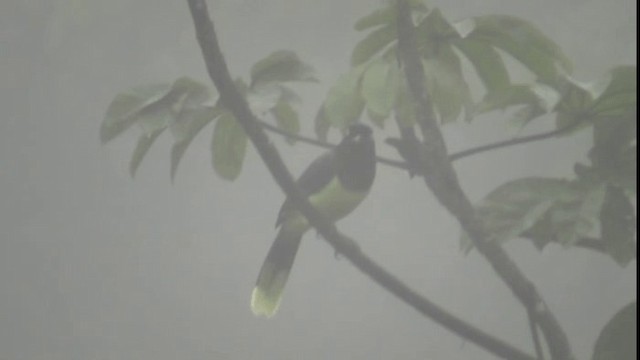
(511,142)
(453,157)
(534,335)
(232,99)
(441,178)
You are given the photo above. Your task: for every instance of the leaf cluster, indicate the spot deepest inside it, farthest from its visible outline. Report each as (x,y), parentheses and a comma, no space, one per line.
(592,209)
(186,107)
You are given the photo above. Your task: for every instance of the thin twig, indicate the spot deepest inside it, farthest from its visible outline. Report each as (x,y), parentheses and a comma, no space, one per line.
(511,142)
(453,156)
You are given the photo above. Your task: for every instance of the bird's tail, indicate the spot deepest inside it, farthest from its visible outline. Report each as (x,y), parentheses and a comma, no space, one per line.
(266,296)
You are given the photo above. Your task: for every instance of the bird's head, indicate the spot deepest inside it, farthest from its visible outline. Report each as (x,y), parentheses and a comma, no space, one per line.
(357,141)
(359,131)
(355,157)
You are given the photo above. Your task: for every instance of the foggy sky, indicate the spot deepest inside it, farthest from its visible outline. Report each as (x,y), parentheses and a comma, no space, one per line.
(96,265)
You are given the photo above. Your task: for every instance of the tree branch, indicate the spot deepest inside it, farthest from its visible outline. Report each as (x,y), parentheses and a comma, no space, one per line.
(441,178)
(453,157)
(512,142)
(233,100)
(534,335)
(323,144)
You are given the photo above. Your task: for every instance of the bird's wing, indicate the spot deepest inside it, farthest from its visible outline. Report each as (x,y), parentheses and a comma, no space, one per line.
(316,176)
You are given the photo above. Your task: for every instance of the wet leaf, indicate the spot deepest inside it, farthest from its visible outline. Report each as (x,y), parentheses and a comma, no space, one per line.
(144,143)
(524,42)
(487,62)
(126,108)
(372,44)
(380,88)
(618,339)
(228,147)
(516,206)
(286,118)
(281,66)
(344,104)
(185,130)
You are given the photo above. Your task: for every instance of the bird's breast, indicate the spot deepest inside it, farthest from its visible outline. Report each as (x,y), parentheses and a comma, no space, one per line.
(334,201)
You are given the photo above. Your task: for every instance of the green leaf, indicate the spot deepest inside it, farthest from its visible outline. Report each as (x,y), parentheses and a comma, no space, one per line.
(575,122)
(618,221)
(435,33)
(514,207)
(618,339)
(185,94)
(321,124)
(343,105)
(534,101)
(613,154)
(526,114)
(376,119)
(144,143)
(487,62)
(263,98)
(446,85)
(575,101)
(611,136)
(621,169)
(580,218)
(627,175)
(524,42)
(228,147)
(545,210)
(125,109)
(286,118)
(281,66)
(380,87)
(504,97)
(193,92)
(382,16)
(156,117)
(373,44)
(619,97)
(185,130)
(153,107)
(386,15)
(288,95)
(575,215)
(558,225)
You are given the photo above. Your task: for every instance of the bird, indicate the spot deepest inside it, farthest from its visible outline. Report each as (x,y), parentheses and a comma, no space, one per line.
(335,183)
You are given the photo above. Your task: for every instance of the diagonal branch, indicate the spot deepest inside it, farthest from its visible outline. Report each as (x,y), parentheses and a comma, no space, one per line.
(512,142)
(431,158)
(232,99)
(533,328)
(453,156)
